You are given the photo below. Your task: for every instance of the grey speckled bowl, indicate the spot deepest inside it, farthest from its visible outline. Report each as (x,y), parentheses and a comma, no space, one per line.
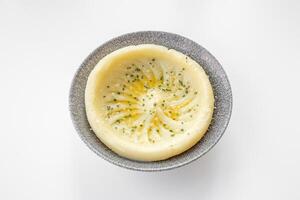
(218,78)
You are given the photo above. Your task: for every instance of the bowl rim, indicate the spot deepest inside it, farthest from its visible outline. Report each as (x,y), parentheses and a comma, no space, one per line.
(120,164)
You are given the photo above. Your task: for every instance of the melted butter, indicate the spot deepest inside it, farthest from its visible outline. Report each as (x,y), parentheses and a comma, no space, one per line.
(149,102)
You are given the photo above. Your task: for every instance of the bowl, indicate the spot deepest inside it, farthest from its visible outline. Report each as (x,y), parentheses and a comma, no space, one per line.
(217,76)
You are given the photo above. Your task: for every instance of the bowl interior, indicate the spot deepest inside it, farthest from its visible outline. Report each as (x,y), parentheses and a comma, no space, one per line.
(217,76)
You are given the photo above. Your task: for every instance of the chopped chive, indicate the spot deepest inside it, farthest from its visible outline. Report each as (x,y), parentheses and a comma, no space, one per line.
(181,83)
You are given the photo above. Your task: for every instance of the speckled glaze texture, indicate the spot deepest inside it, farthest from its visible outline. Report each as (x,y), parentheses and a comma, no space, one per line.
(217,76)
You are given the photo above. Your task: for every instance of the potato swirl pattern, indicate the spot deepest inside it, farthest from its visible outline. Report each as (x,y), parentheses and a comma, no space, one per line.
(150,102)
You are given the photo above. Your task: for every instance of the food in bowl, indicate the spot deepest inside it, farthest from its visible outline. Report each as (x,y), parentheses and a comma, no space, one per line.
(148,103)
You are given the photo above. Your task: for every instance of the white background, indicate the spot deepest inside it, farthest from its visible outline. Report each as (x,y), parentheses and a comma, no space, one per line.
(42,43)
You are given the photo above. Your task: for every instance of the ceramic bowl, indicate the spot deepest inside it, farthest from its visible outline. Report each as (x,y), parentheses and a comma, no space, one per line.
(217,76)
